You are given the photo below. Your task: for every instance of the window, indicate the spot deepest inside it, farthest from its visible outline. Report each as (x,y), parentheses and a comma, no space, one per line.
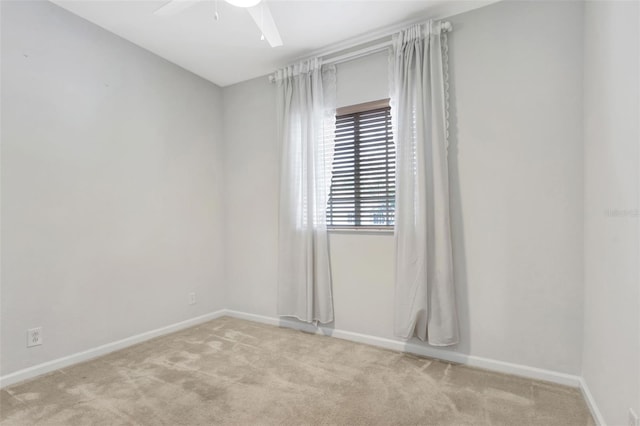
(363,183)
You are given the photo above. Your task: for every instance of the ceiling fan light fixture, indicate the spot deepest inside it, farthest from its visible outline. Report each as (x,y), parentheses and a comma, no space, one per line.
(243,3)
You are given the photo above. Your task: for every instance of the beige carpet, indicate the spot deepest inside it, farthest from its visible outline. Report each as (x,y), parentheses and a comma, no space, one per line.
(230,371)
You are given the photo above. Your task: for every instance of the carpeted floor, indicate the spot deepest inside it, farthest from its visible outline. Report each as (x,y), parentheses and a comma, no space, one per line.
(230,371)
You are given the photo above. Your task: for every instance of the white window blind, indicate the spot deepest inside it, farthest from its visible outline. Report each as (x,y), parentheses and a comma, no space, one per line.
(363,182)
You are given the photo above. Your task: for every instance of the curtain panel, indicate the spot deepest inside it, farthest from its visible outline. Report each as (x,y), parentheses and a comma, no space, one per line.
(306,127)
(424,287)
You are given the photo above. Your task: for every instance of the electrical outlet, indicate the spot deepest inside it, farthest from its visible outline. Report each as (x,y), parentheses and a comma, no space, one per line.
(192,298)
(34,337)
(633,418)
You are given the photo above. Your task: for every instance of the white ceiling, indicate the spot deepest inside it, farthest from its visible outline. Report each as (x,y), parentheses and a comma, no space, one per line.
(229,50)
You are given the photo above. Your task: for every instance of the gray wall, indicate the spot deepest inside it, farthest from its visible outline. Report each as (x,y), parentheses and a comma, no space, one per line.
(111,187)
(611,366)
(517,186)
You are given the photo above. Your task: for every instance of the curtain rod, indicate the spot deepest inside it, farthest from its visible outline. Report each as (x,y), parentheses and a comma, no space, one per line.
(365,51)
(370,50)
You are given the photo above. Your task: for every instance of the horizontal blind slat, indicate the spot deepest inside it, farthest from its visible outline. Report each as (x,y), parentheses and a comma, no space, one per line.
(363,182)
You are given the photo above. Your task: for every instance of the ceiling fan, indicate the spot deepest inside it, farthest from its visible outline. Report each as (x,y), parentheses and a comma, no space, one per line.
(258,10)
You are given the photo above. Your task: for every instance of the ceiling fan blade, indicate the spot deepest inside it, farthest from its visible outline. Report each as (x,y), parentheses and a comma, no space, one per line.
(262,17)
(173,7)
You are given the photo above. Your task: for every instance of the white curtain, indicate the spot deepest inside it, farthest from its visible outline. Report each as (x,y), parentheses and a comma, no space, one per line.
(424,287)
(306,118)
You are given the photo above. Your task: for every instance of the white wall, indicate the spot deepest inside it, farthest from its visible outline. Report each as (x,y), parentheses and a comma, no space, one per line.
(111,187)
(251,196)
(517,185)
(611,362)
(517,176)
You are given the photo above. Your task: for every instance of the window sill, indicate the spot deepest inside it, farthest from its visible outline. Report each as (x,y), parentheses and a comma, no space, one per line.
(356,230)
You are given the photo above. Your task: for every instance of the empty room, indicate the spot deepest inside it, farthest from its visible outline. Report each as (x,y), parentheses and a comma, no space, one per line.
(306,212)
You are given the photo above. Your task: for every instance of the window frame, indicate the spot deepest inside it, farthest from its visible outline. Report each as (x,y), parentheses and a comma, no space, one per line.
(372,229)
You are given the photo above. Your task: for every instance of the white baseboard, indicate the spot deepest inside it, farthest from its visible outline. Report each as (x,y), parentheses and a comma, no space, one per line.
(396,345)
(56,364)
(591,403)
(422,350)
(443,354)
